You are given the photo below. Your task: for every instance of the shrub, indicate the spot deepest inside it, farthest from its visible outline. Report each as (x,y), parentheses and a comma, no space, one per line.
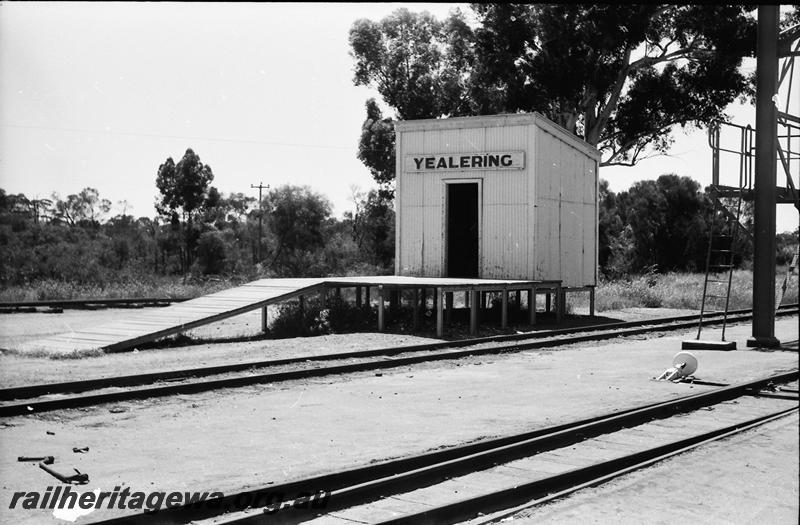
(211,252)
(317,317)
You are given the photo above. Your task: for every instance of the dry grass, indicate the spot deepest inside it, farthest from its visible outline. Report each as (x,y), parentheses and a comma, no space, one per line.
(50,289)
(671,290)
(678,290)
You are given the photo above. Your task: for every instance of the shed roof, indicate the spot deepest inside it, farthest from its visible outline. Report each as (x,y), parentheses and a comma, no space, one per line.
(505,119)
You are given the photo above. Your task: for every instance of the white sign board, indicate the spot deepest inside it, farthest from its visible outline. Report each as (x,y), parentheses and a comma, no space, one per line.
(509,160)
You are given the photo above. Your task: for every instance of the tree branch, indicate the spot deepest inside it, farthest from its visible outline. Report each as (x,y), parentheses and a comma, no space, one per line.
(663,57)
(593,134)
(616,152)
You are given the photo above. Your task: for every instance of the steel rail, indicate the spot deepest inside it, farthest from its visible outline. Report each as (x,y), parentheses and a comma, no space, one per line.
(424,355)
(84,302)
(30,391)
(602,479)
(356,485)
(563,484)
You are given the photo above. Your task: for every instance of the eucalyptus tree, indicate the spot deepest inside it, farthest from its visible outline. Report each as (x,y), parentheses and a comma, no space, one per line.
(620,76)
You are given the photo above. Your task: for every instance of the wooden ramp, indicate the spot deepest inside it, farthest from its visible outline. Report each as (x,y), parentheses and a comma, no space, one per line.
(154,323)
(148,325)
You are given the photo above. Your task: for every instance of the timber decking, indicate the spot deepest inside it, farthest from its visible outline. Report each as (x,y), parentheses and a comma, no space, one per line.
(144,326)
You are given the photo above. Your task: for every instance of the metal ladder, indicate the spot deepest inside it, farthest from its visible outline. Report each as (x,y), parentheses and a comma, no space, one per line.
(791,271)
(719,262)
(721,253)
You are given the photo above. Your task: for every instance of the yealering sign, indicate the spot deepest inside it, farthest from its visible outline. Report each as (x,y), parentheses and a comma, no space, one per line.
(510,160)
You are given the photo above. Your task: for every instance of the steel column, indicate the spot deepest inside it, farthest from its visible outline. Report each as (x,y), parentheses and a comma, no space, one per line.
(475,307)
(504,310)
(439,300)
(532,305)
(448,313)
(415,310)
(381,298)
(765,180)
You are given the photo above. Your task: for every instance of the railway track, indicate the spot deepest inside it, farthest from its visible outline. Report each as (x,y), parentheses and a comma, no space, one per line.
(87,304)
(490,480)
(29,399)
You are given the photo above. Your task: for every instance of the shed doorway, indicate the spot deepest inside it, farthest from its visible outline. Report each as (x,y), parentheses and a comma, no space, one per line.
(463,216)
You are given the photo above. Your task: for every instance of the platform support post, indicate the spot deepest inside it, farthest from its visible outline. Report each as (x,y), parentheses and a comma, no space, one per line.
(561,305)
(264,319)
(504,310)
(358,296)
(381,320)
(547,302)
(367,298)
(338,292)
(466,298)
(473,311)
(448,314)
(394,299)
(591,301)
(764,214)
(532,305)
(438,299)
(415,309)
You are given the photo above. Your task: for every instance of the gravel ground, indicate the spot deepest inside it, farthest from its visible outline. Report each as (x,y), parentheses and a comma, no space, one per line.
(17,370)
(761,486)
(20,369)
(231,439)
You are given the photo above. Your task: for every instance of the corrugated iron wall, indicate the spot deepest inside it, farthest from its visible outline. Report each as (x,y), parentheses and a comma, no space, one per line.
(536,223)
(566,212)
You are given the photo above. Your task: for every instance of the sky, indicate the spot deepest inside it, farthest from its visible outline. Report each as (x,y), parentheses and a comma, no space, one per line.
(100,94)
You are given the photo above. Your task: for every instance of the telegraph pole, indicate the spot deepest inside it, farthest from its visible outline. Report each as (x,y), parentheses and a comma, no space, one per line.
(260,214)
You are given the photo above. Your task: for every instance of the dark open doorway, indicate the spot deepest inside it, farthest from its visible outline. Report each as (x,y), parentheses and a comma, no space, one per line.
(462,230)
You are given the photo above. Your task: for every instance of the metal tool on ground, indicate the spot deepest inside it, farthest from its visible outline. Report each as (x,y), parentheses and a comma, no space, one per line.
(684,364)
(80,450)
(47,460)
(79,478)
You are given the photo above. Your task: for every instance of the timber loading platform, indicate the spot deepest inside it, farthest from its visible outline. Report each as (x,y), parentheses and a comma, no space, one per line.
(146,326)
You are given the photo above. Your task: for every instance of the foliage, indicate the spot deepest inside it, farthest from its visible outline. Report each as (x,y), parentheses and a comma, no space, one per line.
(211,252)
(85,208)
(620,76)
(663,222)
(414,61)
(373,228)
(183,186)
(678,290)
(320,317)
(376,147)
(184,190)
(296,217)
(418,65)
(786,244)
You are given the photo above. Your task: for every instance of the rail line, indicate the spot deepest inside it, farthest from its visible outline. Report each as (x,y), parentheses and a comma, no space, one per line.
(579,454)
(80,304)
(28,399)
